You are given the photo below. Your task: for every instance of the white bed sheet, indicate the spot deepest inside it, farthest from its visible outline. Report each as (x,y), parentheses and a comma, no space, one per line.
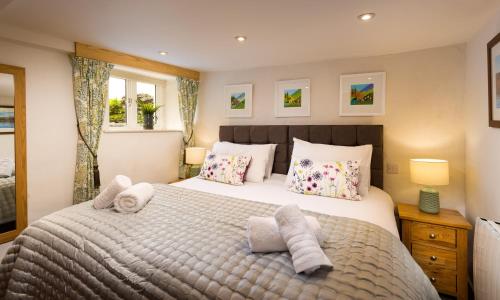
(376,207)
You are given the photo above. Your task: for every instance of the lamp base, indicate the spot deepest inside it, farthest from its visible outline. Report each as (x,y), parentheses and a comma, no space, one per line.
(194,170)
(429,201)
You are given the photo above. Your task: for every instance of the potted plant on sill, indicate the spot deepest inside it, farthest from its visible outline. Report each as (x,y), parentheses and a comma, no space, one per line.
(149,115)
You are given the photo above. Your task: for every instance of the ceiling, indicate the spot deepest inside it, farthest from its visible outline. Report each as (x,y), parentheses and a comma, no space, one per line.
(199,34)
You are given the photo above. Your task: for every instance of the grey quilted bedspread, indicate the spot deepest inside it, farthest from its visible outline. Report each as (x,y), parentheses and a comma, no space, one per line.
(7,199)
(192,245)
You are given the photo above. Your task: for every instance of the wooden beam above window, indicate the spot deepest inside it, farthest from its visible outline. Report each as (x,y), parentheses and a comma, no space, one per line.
(119,58)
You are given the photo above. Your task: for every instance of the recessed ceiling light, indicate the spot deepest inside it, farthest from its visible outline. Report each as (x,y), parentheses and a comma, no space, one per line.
(240,38)
(366,17)
(163,53)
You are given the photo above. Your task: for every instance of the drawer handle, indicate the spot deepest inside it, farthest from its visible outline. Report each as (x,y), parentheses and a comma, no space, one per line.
(434,258)
(432,236)
(433,279)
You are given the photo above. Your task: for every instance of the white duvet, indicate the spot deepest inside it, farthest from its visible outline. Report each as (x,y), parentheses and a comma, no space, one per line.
(376,207)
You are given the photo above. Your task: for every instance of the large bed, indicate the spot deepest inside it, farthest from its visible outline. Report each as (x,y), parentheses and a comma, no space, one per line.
(377,207)
(190,241)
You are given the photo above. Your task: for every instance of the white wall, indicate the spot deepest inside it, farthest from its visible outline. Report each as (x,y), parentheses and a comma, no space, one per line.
(423,118)
(7,146)
(50,130)
(5,100)
(52,135)
(150,157)
(482,145)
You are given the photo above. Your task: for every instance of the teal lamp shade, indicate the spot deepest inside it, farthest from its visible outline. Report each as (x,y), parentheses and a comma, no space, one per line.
(430,173)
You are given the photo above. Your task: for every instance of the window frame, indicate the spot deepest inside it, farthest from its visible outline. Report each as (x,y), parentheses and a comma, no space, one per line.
(131,80)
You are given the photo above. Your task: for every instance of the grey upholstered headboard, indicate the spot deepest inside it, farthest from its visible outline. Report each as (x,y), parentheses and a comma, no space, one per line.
(343,135)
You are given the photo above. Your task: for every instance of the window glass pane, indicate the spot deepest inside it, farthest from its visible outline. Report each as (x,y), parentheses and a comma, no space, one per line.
(117,102)
(146,93)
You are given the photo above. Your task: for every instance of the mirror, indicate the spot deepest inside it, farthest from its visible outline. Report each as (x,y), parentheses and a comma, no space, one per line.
(12,152)
(7,155)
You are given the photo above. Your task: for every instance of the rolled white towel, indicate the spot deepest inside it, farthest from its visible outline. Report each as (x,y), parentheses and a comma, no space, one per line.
(106,197)
(264,235)
(306,252)
(134,198)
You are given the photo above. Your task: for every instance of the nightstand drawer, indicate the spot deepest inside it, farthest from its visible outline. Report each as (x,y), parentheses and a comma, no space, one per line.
(427,256)
(445,281)
(434,233)
(438,243)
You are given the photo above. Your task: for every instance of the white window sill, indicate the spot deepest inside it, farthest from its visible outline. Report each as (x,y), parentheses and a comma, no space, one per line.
(118,130)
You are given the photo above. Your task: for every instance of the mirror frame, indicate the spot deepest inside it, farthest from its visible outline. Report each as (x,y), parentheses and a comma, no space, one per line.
(20,150)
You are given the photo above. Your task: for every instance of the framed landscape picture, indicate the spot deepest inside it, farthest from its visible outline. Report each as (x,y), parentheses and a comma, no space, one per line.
(494,82)
(292,98)
(238,100)
(362,94)
(6,119)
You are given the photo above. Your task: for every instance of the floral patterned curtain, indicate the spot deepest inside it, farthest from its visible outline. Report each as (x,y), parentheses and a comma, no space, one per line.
(90,91)
(188,99)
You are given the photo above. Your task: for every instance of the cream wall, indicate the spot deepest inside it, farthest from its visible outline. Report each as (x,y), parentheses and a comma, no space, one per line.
(4,100)
(51,134)
(7,146)
(482,147)
(424,113)
(51,138)
(150,157)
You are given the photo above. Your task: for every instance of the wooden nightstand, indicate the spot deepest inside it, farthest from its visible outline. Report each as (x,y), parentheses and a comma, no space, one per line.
(438,243)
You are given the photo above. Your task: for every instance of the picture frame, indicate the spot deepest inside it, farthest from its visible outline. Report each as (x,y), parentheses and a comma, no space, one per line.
(238,100)
(292,98)
(362,94)
(6,119)
(493,51)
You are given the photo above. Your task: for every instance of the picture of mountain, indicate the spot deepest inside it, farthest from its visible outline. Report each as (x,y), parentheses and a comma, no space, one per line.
(238,100)
(362,94)
(292,98)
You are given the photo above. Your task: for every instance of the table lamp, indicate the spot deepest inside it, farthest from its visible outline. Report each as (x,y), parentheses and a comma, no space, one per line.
(430,173)
(195,156)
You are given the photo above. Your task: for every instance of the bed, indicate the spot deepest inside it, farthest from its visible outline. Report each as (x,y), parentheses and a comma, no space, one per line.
(190,242)
(7,200)
(377,207)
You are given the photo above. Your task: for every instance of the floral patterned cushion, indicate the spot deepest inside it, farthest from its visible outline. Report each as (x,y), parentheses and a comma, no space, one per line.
(226,168)
(338,179)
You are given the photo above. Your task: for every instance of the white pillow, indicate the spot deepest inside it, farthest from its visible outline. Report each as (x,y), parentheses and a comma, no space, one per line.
(270,162)
(6,167)
(259,153)
(322,152)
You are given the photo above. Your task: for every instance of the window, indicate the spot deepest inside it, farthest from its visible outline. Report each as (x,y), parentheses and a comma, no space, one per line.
(127,93)
(146,93)
(117,102)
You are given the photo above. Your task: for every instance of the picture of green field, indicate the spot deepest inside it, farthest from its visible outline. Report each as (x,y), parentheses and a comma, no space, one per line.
(238,100)
(362,94)
(292,98)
